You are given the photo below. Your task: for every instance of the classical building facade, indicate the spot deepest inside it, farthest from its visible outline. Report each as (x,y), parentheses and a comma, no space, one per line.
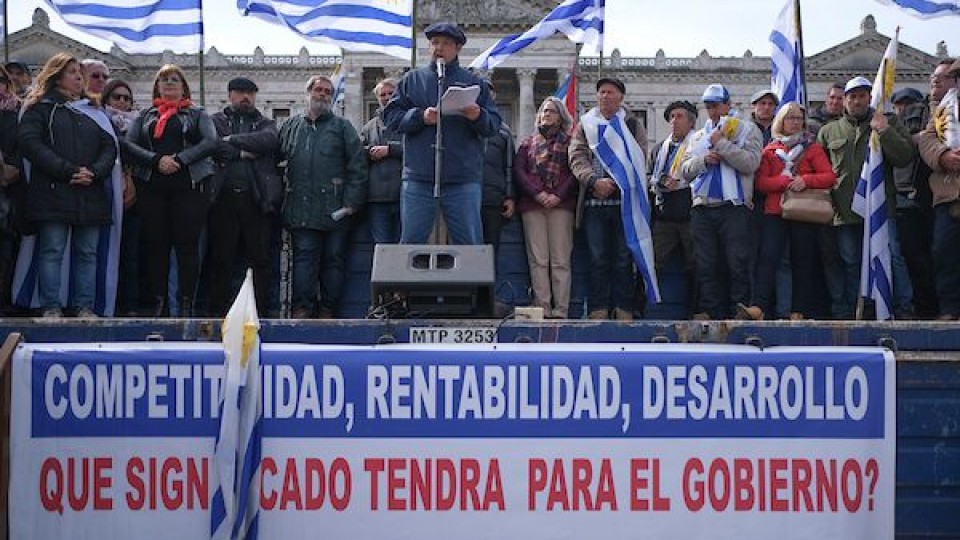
(522,82)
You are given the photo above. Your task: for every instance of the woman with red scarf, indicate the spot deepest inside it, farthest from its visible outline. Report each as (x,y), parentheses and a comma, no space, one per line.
(169,146)
(548,198)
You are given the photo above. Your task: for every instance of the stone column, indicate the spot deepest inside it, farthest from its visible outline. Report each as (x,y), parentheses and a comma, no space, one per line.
(526,108)
(353,94)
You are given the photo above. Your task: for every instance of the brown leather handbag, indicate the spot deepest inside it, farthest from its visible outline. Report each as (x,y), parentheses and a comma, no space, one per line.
(809,205)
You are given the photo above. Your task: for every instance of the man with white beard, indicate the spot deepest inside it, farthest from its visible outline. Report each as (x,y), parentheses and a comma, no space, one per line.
(326,179)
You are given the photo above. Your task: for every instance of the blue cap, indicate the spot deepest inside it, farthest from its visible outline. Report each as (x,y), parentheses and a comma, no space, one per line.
(451,30)
(911,94)
(857,83)
(715,93)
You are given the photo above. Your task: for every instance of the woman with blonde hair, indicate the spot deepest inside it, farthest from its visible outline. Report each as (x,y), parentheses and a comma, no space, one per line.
(792,161)
(169,146)
(547,201)
(73,176)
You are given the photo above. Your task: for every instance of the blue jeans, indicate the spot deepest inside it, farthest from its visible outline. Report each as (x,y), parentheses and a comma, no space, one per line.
(384,222)
(51,244)
(318,253)
(844,280)
(776,235)
(721,231)
(902,286)
(946,259)
(611,265)
(461,210)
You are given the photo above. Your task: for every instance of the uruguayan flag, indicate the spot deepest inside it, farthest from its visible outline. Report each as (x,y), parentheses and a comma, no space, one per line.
(339,80)
(787,77)
(138,26)
(926,9)
(384,26)
(624,161)
(235,509)
(580,20)
(870,201)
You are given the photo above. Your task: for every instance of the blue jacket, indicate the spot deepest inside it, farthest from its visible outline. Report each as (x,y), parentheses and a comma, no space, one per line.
(462,139)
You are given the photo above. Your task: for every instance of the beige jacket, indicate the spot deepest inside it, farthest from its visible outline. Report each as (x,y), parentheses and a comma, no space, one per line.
(944,184)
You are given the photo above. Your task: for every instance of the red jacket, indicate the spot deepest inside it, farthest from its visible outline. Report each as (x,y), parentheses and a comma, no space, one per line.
(814,168)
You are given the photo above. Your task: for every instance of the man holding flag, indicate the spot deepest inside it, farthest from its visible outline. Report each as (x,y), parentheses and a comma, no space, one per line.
(847,142)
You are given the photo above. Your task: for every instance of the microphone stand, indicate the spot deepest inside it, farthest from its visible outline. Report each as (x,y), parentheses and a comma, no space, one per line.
(438,154)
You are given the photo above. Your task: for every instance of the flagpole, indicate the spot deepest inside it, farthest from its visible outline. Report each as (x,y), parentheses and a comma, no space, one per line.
(803,67)
(203,90)
(413,36)
(6,34)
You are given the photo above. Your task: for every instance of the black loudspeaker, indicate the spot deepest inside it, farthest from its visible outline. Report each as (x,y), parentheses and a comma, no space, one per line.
(432,281)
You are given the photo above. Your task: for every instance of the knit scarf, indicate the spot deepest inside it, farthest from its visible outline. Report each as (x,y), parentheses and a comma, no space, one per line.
(549,150)
(167,108)
(9,102)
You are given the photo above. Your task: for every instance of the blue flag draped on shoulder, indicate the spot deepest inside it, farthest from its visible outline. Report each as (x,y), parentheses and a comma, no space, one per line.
(580,20)
(235,509)
(926,9)
(786,79)
(383,26)
(623,159)
(138,26)
(870,200)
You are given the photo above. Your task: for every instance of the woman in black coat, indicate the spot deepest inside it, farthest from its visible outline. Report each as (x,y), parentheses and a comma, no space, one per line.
(169,146)
(70,162)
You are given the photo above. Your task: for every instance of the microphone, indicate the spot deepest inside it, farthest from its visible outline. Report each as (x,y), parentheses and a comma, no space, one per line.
(441,67)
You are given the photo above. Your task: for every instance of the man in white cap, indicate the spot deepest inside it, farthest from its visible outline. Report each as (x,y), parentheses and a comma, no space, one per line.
(846,141)
(720,165)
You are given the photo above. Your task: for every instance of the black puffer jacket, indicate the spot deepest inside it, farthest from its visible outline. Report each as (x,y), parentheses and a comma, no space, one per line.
(58,141)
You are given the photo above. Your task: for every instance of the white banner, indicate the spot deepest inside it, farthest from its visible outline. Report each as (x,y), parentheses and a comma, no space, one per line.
(473,442)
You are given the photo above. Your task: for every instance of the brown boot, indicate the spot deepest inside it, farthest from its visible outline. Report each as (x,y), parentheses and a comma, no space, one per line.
(702,316)
(622,314)
(796,316)
(748,313)
(598,315)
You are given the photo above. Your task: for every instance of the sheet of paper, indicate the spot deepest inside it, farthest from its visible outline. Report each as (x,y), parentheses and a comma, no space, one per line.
(458,97)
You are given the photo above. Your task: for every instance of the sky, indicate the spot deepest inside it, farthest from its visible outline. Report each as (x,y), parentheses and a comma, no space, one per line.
(635,27)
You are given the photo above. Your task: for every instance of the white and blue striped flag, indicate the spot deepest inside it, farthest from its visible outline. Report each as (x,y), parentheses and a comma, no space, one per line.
(623,159)
(580,20)
(339,80)
(384,26)
(786,79)
(235,509)
(870,200)
(926,9)
(138,26)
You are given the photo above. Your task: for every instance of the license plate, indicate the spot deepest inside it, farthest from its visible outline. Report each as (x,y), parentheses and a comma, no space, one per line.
(442,334)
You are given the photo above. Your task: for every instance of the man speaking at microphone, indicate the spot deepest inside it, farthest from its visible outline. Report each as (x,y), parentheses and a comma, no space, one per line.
(414,111)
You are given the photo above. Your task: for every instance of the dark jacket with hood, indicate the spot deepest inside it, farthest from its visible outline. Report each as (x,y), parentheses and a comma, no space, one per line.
(384,185)
(58,141)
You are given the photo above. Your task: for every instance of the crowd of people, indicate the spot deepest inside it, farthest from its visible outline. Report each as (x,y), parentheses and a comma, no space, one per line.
(106,210)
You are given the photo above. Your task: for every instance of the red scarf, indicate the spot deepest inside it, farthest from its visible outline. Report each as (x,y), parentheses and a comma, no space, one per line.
(167,109)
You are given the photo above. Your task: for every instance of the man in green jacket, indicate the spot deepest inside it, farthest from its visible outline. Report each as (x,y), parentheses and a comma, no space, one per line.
(326,184)
(846,141)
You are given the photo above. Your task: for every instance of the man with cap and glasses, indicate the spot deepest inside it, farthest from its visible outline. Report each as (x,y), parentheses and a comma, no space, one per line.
(720,165)
(414,112)
(941,152)
(247,191)
(598,209)
(672,198)
(20,74)
(846,141)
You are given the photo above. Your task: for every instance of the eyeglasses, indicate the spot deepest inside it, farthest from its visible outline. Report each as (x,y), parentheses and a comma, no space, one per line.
(793,117)
(121,97)
(551,111)
(98,76)
(170,79)
(940,77)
